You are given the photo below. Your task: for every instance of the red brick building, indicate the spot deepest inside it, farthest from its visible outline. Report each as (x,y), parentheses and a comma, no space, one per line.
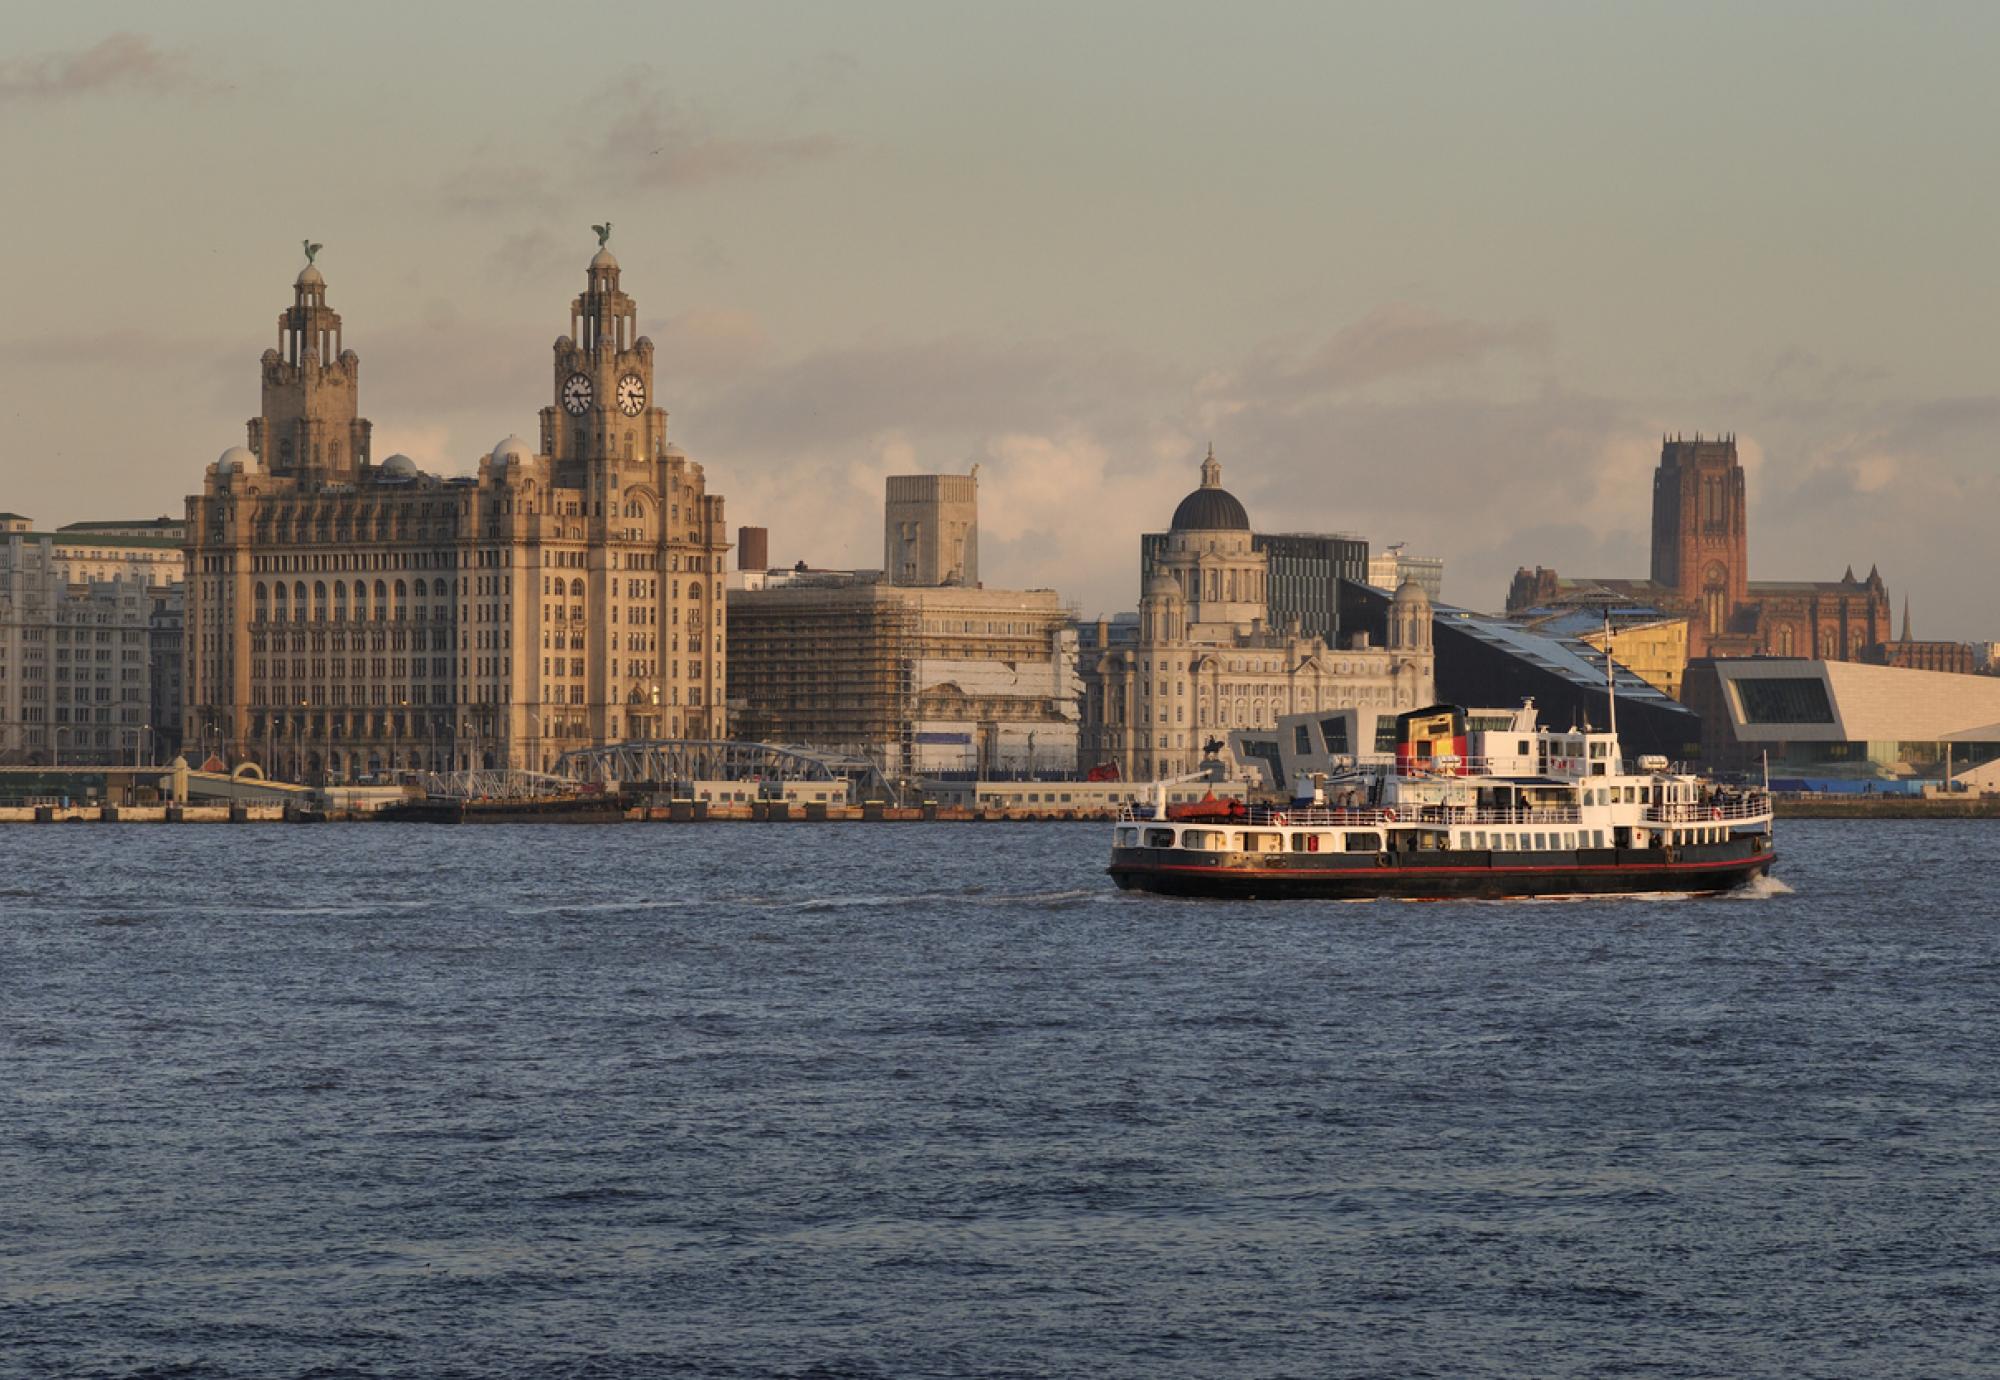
(1701,572)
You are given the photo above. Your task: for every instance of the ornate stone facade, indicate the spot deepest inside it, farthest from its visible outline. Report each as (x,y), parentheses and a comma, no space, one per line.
(346,618)
(1207,660)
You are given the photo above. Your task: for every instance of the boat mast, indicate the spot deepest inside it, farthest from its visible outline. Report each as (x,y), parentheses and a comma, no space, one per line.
(1610,680)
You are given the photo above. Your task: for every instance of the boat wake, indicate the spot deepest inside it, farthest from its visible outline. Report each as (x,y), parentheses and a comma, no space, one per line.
(1760,888)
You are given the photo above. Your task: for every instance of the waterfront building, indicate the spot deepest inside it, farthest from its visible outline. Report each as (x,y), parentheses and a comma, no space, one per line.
(347,617)
(168,529)
(1833,725)
(77,680)
(1303,571)
(930,529)
(948,678)
(1392,567)
(1208,657)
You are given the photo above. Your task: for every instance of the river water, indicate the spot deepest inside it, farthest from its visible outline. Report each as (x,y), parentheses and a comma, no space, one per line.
(935,1100)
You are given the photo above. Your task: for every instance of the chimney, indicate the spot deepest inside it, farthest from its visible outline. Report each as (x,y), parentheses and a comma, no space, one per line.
(753,548)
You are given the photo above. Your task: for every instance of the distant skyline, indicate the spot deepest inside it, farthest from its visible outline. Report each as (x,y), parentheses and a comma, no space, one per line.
(1433,274)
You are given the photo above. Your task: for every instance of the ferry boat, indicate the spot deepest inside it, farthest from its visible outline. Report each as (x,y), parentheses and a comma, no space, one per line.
(1514,811)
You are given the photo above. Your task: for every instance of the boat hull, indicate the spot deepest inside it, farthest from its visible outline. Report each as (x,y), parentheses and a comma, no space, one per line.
(1441,876)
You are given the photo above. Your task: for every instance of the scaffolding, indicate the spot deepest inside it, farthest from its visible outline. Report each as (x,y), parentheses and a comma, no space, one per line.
(670,762)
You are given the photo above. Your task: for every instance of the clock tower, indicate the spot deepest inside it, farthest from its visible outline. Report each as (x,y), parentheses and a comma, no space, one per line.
(603,423)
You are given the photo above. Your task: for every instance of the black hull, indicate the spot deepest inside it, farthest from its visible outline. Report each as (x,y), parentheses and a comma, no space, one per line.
(1437,876)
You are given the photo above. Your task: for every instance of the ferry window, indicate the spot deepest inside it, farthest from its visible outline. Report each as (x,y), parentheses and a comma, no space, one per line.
(1159,838)
(1264,841)
(1479,838)
(1541,841)
(1361,843)
(1128,838)
(1209,840)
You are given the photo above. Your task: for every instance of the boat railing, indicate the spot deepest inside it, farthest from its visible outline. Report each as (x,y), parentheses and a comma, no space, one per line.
(1751,805)
(1358,816)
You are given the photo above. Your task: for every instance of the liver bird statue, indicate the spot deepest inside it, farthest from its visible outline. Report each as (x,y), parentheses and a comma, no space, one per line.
(603,233)
(311,250)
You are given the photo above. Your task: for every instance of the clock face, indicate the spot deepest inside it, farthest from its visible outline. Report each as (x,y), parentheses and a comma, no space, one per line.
(576,394)
(631,394)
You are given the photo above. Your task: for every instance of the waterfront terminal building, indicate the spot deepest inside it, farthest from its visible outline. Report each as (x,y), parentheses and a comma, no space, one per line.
(348,617)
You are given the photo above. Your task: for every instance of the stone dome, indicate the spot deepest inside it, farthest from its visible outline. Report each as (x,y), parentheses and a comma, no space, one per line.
(603,258)
(513,448)
(673,452)
(399,466)
(1162,586)
(236,460)
(310,277)
(1211,508)
(1410,592)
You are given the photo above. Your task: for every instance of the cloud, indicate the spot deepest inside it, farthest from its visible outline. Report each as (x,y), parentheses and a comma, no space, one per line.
(659,143)
(481,185)
(119,62)
(429,446)
(1396,341)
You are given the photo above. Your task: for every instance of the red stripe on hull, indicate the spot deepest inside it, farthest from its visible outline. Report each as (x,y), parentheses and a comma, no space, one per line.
(1440,882)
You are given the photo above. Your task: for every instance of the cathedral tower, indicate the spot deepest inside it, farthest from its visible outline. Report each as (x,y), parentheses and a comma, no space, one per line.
(1700,546)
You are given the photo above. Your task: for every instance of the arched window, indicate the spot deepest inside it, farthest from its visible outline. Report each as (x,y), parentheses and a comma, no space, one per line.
(576,589)
(319,601)
(1715,599)
(381,600)
(423,590)
(402,596)
(339,602)
(263,603)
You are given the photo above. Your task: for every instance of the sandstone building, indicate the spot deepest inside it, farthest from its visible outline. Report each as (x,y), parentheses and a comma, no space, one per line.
(1701,573)
(80,681)
(925,679)
(930,529)
(1207,658)
(347,617)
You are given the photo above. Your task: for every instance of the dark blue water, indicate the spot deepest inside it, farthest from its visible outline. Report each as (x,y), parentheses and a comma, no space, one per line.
(809,1100)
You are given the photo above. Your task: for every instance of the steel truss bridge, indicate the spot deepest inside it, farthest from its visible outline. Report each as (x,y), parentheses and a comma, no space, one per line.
(661,762)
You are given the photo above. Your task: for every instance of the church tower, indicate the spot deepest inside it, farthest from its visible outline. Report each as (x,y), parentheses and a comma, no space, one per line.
(310,428)
(1700,526)
(603,423)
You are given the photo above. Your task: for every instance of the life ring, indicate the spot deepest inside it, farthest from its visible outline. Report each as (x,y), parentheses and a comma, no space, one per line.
(1389,815)
(1278,817)
(1715,812)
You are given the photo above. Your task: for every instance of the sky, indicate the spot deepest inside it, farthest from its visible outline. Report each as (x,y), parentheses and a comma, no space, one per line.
(1433,273)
